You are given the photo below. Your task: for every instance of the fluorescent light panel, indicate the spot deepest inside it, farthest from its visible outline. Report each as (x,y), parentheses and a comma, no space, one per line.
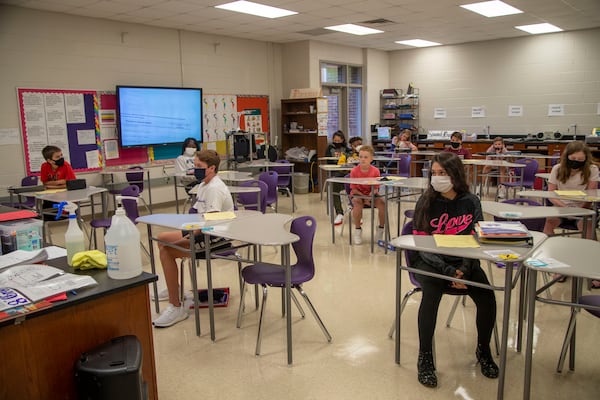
(539,28)
(353,29)
(418,43)
(491,9)
(260,10)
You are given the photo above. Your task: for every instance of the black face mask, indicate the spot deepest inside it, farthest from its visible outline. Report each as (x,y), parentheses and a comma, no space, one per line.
(200,174)
(455,145)
(338,145)
(60,162)
(574,164)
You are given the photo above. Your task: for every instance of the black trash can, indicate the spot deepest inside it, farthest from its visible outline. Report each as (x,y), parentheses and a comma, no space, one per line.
(111,371)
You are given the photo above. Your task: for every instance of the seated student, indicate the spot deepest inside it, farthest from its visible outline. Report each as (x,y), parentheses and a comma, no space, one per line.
(336,149)
(365,170)
(456,146)
(352,154)
(574,172)
(403,141)
(184,164)
(55,172)
(496,148)
(448,208)
(213,196)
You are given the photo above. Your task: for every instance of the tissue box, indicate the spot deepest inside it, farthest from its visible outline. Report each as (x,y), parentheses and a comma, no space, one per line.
(25,234)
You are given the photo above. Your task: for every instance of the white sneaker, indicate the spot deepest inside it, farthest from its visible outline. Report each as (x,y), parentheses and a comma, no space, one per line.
(379,233)
(339,219)
(170,316)
(163,295)
(501,192)
(357,236)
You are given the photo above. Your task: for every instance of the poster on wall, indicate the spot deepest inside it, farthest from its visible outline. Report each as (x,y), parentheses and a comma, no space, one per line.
(477,112)
(253,120)
(220,116)
(439,113)
(556,110)
(515,111)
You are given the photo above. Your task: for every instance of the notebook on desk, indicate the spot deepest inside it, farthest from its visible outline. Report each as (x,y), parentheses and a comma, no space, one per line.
(503,232)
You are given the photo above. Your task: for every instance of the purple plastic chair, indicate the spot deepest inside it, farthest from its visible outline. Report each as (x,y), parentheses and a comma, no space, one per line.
(403,164)
(270,178)
(265,274)
(531,168)
(29,201)
(588,300)
(284,179)
(131,210)
(248,200)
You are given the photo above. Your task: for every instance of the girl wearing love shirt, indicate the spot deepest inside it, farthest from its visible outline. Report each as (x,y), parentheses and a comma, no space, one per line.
(448,208)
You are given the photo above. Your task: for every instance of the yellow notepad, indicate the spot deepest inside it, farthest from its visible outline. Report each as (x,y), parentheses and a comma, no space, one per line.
(50,191)
(218,216)
(455,241)
(570,192)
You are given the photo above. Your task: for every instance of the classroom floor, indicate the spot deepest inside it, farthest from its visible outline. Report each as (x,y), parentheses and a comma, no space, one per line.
(353,291)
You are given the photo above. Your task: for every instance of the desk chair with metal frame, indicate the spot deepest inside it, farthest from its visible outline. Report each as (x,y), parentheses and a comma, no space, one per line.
(270,178)
(528,176)
(407,229)
(266,274)
(29,202)
(284,179)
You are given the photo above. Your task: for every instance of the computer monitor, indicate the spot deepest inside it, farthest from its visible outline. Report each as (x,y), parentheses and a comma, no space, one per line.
(384,132)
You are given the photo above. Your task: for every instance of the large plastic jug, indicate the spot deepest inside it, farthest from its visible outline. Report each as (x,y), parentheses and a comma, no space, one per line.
(122,243)
(74,240)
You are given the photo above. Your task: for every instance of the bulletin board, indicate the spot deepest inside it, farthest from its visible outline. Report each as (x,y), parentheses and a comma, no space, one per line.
(64,118)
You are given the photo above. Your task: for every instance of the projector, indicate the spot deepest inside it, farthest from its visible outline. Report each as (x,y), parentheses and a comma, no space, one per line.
(549,135)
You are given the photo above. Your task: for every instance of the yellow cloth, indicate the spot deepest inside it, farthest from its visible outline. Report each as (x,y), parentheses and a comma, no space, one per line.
(89,260)
(342,160)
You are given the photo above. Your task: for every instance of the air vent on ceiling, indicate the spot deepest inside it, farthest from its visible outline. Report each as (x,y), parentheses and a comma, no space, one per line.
(378,21)
(317,32)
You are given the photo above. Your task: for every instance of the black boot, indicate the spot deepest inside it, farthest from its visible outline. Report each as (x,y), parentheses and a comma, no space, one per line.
(426,369)
(489,369)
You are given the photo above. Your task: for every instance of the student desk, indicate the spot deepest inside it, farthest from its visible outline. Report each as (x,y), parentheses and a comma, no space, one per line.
(22,191)
(235,190)
(591,195)
(581,256)
(41,348)
(330,169)
(427,243)
(111,172)
(528,212)
(474,163)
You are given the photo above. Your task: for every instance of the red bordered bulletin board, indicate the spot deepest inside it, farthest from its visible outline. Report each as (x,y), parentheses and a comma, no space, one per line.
(65,118)
(261,103)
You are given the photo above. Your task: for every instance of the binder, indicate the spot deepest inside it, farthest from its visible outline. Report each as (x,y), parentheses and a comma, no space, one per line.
(503,232)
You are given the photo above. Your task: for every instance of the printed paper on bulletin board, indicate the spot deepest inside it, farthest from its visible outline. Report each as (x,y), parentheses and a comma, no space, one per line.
(64,118)
(254,115)
(114,154)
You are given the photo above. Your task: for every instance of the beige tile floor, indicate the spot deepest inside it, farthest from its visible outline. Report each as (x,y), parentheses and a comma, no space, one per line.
(353,291)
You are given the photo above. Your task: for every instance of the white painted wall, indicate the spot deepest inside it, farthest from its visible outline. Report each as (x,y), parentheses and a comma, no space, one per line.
(532,71)
(376,72)
(58,51)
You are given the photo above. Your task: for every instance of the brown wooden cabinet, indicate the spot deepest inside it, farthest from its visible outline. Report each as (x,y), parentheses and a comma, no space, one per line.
(300,124)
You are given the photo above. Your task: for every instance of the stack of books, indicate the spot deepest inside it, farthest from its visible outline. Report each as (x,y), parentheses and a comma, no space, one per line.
(503,232)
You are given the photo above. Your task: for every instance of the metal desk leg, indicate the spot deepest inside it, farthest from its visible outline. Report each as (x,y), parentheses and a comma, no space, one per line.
(176,194)
(373,218)
(398,300)
(285,256)
(153,267)
(194,280)
(531,289)
(149,191)
(330,209)
(211,306)
(505,322)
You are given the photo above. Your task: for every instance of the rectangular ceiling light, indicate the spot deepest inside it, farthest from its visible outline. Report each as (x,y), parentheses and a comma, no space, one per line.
(418,43)
(491,9)
(353,29)
(539,28)
(248,7)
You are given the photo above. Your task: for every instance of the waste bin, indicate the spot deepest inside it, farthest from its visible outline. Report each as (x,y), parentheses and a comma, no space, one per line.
(300,182)
(111,371)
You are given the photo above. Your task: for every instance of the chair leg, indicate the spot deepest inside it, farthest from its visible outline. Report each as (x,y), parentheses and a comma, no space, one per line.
(260,320)
(314,312)
(453,310)
(295,299)
(402,305)
(241,308)
(567,341)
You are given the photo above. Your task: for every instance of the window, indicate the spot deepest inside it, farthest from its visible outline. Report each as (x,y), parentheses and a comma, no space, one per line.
(342,85)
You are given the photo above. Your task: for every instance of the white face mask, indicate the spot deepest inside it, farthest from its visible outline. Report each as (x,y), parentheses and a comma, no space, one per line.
(190,151)
(441,184)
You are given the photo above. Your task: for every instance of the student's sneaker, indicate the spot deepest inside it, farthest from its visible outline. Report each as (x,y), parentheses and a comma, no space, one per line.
(379,233)
(170,316)
(501,191)
(339,219)
(163,295)
(357,236)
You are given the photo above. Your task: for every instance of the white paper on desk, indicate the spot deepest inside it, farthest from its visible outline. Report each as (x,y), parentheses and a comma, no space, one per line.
(61,284)
(21,276)
(18,257)
(55,252)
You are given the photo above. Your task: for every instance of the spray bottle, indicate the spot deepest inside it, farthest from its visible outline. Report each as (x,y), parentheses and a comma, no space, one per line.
(122,243)
(74,240)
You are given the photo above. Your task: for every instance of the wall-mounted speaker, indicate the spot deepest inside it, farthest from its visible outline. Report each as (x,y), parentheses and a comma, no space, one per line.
(549,135)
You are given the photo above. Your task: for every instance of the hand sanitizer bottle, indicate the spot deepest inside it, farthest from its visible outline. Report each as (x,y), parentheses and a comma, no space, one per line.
(122,243)
(74,240)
